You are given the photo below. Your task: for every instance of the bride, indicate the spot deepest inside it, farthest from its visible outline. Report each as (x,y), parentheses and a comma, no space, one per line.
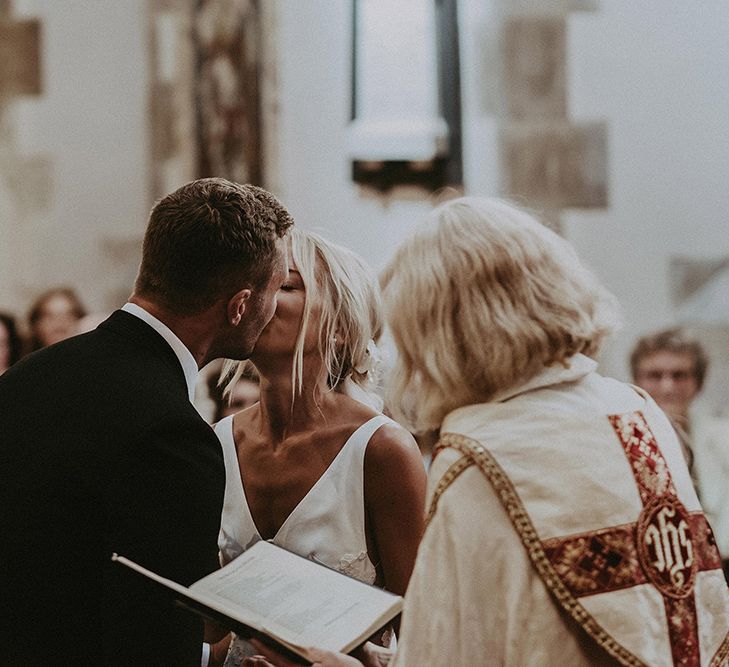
(314,466)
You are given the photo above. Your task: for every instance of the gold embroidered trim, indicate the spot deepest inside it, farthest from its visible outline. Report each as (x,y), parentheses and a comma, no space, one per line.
(522,522)
(721,657)
(448,478)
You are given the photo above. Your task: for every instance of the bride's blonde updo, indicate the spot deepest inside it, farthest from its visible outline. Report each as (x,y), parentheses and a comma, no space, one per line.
(350,322)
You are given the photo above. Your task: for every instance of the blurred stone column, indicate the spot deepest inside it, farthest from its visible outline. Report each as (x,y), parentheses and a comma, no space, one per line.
(25,180)
(549,161)
(173,143)
(228,48)
(205,97)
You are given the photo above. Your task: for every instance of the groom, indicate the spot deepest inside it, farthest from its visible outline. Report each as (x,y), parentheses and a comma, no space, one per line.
(102,451)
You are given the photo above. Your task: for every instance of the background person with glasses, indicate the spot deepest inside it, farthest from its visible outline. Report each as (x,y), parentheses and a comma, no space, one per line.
(671,366)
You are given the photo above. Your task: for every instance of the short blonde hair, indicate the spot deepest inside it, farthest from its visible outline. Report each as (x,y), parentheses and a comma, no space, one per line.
(480,300)
(351,311)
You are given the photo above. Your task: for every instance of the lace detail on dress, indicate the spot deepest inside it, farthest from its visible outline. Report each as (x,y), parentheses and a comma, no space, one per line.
(357,566)
(238,651)
(230,548)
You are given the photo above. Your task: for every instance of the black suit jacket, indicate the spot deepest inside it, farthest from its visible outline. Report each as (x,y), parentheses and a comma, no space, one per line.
(100,452)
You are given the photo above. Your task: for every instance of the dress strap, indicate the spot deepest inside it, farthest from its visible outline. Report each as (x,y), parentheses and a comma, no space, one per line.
(224,430)
(353,451)
(367,430)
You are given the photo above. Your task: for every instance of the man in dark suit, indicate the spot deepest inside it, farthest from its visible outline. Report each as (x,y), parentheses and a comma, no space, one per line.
(102,451)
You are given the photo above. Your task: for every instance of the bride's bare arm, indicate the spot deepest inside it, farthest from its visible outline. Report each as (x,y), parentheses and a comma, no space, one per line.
(395,500)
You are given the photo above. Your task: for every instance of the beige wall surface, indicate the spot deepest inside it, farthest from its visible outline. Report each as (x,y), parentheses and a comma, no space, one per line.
(650,76)
(84,140)
(652,73)
(656,72)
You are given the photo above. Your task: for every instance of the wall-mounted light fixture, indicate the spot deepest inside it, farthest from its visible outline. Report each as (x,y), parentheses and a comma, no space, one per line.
(405,125)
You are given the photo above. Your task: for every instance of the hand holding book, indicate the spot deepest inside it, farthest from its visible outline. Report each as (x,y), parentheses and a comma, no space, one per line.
(369,655)
(284,598)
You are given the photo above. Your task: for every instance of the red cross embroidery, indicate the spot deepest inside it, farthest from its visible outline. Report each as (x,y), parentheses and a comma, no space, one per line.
(665,547)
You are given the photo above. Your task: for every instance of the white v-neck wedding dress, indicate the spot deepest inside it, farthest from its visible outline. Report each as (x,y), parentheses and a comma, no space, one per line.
(327,526)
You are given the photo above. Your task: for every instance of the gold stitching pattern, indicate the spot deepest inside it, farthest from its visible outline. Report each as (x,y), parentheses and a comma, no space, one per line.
(522,522)
(596,562)
(721,657)
(448,478)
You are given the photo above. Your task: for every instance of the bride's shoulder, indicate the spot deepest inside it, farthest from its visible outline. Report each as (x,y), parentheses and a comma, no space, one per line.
(394,473)
(242,425)
(392,446)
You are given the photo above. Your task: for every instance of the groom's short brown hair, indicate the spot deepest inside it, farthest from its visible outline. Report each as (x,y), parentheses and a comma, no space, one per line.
(207,239)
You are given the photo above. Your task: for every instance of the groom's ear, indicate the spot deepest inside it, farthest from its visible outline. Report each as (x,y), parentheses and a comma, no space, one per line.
(237,306)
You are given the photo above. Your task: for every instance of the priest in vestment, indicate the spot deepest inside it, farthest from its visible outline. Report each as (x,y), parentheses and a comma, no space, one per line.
(562,526)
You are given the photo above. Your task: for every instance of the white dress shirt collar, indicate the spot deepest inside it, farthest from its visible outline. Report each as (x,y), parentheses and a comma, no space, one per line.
(187,361)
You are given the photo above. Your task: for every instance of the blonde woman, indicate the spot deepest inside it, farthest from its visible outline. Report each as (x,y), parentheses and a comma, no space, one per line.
(313,466)
(562,526)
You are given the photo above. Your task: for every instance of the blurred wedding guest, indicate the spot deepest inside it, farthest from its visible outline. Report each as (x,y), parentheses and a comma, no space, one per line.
(315,466)
(54,316)
(671,366)
(10,342)
(90,321)
(237,396)
(102,450)
(562,525)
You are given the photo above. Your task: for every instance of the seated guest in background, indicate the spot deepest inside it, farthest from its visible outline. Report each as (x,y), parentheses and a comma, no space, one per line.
(314,466)
(10,342)
(671,366)
(102,451)
(239,396)
(53,317)
(90,321)
(553,490)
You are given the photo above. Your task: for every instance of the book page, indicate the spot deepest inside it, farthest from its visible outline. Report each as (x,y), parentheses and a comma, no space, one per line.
(297,601)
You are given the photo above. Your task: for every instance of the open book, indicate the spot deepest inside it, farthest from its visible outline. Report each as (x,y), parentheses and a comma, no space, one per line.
(269,592)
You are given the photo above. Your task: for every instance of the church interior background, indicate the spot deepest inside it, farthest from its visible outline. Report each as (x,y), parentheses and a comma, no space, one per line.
(607,117)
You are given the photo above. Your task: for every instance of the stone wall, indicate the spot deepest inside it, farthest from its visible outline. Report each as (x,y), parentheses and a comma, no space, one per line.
(549,162)
(205,94)
(25,179)
(73,146)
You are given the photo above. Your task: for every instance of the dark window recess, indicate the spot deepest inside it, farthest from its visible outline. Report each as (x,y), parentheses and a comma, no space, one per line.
(446,170)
